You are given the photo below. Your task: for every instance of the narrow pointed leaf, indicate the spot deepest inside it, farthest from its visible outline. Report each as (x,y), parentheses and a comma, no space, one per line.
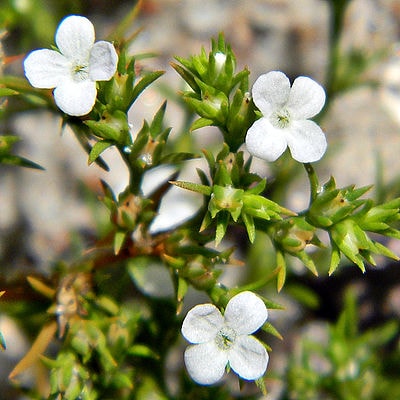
(186,75)
(269,328)
(40,287)
(194,187)
(249,224)
(98,148)
(201,123)
(19,161)
(335,259)
(38,347)
(119,240)
(146,80)
(281,263)
(222,225)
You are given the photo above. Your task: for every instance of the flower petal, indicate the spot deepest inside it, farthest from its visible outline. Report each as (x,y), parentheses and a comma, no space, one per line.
(271,91)
(75,37)
(202,323)
(205,362)
(75,98)
(306,98)
(248,358)
(45,68)
(265,141)
(306,141)
(103,61)
(245,313)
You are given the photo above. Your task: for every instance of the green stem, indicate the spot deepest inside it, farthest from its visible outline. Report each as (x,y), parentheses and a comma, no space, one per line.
(135,177)
(314,182)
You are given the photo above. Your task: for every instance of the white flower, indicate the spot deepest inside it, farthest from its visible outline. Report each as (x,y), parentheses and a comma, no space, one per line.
(75,68)
(218,340)
(286,111)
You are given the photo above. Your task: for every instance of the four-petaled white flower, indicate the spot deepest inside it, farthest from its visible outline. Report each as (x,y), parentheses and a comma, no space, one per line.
(218,340)
(285,122)
(75,68)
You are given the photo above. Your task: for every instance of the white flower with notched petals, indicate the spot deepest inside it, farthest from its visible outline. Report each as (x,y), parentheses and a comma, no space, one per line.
(221,339)
(285,122)
(75,68)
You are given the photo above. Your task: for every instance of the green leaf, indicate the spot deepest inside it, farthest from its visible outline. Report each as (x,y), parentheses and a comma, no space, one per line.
(260,383)
(249,224)
(98,148)
(119,240)
(201,123)
(258,188)
(156,125)
(281,264)
(181,292)
(146,80)
(6,145)
(122,380)
(269,328)
(143,351)
(186,75)
(307,261)
(19,161)
(82,133)
(381,249)
(41,287)
(194,187)
(4,91)
(335,259)
(222,225)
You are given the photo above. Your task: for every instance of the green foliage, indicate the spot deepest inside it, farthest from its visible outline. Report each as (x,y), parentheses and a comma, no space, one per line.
(218,95)
(6,156)
(348,219)
(345,363)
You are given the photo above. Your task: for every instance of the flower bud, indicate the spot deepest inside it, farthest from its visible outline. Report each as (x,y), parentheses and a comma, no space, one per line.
(127,212)
(241,116)
(329,208)
(294,234)
(117,91)
(200,275)
(220,59)
(226,198)
(211,103)
(112,126)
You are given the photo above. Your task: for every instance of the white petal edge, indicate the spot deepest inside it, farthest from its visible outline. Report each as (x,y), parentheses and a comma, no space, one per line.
(248,358)
(75,37)
(75,99)
(103,61)
(205,363)
(307,141)
(245,313)
(265,141)
(202,323)
(306,98)
(45,69)
(271,91)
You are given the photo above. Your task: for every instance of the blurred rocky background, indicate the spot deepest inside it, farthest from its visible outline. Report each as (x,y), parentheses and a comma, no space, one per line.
(42,211)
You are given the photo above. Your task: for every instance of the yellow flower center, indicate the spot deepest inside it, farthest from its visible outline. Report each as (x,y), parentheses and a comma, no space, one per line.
(80,72)
(280,119)
(225,338)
